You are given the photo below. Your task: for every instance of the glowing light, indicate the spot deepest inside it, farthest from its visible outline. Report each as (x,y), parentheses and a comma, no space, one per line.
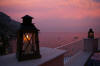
(26,38)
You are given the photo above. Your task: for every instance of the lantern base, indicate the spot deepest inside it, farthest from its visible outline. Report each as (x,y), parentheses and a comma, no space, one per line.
(28,57)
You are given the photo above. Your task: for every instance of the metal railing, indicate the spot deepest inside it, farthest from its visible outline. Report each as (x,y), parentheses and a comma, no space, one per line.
(72,48)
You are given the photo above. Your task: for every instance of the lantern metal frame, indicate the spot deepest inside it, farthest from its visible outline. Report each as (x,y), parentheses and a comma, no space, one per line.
(27,27)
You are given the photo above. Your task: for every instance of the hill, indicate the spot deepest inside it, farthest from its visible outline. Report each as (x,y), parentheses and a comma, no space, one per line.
(8,26)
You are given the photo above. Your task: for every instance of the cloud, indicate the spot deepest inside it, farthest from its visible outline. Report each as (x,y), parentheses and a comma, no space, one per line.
(57,14)
(86,4)
(46,8)
(96,1)
(79,3)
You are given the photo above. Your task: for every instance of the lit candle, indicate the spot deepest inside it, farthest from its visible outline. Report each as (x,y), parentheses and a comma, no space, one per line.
(91,34)
(26,38)
(26,46)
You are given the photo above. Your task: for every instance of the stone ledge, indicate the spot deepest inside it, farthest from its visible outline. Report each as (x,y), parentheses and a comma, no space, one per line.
(48,54)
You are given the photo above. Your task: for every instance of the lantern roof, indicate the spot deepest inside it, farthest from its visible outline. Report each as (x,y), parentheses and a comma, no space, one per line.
(90,30)
(27,16)
(29,27)
(27,24)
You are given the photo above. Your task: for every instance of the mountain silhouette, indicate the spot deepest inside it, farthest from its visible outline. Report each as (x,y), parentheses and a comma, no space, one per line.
(8,26)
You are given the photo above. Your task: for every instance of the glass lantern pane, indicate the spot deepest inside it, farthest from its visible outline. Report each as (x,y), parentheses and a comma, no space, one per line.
(33,41)
(27,43)
(91,34)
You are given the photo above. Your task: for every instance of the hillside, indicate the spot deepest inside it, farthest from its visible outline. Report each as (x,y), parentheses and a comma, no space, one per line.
(8,26)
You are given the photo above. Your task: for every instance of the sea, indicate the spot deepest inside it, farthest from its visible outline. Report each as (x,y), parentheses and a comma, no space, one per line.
(56,39)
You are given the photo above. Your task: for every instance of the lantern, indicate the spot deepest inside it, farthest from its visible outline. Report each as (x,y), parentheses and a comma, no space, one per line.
(91,34)
(27,40)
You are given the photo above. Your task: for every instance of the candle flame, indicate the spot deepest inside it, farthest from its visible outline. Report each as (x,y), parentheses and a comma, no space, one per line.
(26,38)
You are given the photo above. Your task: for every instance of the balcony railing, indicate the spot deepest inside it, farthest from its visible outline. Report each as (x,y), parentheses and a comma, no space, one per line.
(72,48)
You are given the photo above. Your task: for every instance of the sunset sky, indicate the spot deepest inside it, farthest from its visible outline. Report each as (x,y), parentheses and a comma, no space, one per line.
(56,15)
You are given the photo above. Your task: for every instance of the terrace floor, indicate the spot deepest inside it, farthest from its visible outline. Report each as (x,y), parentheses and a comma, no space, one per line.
(78,59)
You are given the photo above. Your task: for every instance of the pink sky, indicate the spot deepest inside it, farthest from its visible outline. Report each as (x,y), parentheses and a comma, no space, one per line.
(56,15)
